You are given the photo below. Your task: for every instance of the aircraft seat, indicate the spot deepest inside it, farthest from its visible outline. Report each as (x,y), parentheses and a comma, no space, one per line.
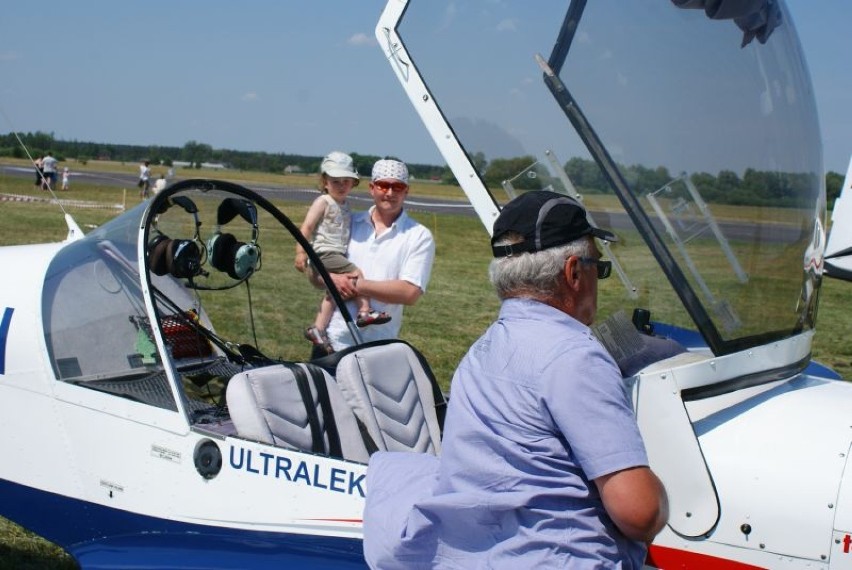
(394,395)
(295,406)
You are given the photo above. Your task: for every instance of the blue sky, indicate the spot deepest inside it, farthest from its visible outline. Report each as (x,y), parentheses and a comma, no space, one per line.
(301,77)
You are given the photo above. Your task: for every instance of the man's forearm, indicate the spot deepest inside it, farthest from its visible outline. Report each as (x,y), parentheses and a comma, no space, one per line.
(396,291)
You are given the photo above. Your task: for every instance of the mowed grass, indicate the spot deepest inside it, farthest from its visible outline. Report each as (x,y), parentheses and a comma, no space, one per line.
(458,306)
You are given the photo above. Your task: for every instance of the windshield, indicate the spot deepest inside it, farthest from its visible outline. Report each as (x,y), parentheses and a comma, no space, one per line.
(220,292)
(692,136)
(92,304)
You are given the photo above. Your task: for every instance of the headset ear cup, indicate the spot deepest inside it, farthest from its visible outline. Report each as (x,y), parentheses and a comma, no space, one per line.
(183,258)
(157,254)
(221,249)
(246,259)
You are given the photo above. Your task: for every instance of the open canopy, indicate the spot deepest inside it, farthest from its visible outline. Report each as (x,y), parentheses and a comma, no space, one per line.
(687,129)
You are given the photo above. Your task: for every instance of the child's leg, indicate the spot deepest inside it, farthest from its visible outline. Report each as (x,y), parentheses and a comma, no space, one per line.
(363,302)
(326,310)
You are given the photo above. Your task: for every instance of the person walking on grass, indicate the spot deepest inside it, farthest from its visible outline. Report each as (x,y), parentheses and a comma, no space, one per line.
(144,179)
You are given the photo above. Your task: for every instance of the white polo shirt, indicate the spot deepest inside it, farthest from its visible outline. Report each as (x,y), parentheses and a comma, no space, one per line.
(404,251)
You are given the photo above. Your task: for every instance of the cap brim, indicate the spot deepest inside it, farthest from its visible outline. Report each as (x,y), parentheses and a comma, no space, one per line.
(341,173)
(604,235)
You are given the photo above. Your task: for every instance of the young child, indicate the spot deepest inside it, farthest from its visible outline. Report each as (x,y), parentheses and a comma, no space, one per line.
(65,179)
(327,226)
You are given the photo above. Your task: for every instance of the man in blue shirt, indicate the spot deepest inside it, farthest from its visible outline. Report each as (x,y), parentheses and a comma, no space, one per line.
(542,463)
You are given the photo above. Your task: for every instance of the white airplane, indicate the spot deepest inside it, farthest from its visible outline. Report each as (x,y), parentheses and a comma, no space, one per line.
(155,405)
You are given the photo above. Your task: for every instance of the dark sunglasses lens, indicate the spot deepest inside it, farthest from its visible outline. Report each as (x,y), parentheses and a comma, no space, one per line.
(604,269)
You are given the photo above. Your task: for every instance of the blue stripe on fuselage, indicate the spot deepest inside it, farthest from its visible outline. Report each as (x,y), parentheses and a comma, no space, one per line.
(101,537)
(4,333)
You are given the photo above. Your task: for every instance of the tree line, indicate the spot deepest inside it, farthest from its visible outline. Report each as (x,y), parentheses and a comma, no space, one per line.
(754,187)
(193,152)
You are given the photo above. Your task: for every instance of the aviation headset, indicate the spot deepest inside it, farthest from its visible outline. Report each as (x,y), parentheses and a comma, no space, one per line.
(238,259)
(181,258)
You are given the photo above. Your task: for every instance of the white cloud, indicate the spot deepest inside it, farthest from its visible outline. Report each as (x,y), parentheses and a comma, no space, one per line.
(450,14)
(507,25)
(250,97)
(8,56)
(361,39)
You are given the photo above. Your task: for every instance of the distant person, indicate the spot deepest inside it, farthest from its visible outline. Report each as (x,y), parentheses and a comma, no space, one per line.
(542,464)
(160,184)
(327,226)
(48,166)
(144,179)
(66,182)
(395,254)
(39,171)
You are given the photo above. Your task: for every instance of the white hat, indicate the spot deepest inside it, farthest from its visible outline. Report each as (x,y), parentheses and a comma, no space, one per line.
(339,165)
(387,168)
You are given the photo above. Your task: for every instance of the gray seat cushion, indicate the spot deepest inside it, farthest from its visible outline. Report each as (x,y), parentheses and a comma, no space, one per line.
(391,392)
(266,405)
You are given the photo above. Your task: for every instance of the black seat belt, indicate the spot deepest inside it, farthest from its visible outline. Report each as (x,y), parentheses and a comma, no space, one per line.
(317,444)
(318,378)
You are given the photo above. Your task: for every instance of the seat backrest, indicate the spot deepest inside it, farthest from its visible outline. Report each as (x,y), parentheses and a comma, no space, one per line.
(395,396)
(294,406)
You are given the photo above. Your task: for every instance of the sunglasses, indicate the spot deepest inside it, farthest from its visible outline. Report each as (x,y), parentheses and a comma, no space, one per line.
(604,267)
(385,185)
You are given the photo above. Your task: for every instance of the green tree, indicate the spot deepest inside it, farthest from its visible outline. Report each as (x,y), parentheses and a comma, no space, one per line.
(833,186)
(587,175)
(501,169)
(195,152)
(479,162)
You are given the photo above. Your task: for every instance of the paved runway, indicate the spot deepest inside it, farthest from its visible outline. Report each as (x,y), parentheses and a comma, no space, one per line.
(121,180)
(734,231)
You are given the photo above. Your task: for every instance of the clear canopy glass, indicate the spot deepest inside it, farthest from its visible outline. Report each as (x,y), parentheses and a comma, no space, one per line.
(691,137)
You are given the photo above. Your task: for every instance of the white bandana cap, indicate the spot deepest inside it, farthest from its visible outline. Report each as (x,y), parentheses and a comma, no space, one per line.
(387,168)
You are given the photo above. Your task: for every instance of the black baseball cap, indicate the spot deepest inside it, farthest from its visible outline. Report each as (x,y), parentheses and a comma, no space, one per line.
(545,219)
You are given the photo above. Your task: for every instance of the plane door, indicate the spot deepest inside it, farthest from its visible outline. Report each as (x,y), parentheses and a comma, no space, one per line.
(841,540)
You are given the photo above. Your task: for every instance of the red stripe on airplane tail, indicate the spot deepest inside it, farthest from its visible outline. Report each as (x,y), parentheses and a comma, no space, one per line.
(674,559)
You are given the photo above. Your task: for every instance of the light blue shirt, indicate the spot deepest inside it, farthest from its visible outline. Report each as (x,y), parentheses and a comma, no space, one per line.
(537,411)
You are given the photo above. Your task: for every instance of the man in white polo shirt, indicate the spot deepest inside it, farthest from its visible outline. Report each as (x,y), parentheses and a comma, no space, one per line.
(395,254)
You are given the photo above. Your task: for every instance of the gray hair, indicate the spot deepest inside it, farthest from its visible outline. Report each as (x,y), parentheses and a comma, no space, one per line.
(535,274)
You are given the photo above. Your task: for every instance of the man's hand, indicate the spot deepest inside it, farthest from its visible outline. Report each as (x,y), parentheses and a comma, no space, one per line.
(346,284)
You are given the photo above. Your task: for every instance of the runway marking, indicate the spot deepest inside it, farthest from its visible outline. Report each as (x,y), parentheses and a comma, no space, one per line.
(72,203)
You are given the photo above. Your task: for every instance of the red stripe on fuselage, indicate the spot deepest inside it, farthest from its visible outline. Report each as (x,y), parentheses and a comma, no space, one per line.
(673,559)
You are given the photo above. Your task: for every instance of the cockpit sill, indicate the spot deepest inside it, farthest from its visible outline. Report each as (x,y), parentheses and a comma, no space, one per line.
(698,375)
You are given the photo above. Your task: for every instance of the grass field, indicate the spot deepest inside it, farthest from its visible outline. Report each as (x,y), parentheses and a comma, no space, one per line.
(458,306)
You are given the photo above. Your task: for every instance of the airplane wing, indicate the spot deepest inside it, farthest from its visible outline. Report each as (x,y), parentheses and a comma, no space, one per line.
(838,250)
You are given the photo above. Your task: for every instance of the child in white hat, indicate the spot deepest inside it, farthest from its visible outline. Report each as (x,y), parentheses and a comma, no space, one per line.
(327,226)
